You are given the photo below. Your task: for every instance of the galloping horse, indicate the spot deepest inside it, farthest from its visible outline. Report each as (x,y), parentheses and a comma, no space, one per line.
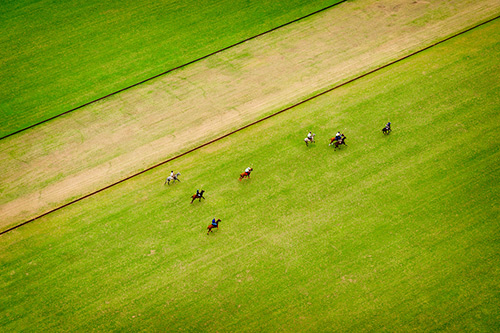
(310,140)
(214,224)
(245,174)
(386,130)
(172,178)
(198,196)
(338,143)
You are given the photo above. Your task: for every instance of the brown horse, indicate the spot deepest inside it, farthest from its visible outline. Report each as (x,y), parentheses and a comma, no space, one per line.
(337,143)
(245,174)
(198,196)
(212,226)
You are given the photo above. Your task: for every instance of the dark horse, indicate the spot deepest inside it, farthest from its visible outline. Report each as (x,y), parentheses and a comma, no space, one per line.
(198,196)
(387,128)
(245,174)
(337,143)
(214,224)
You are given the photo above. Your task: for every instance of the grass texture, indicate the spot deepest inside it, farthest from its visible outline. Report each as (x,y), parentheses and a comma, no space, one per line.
(59,55)
(395,232)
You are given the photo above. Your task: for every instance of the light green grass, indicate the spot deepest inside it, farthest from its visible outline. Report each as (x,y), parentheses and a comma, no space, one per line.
(391,233)
(59,55)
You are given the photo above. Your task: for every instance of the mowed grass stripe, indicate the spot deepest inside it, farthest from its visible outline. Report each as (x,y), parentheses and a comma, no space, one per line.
(391,233)
(246,126)
(26,106)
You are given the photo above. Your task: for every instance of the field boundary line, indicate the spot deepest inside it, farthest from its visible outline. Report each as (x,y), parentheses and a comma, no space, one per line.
(172,69)
(253,123)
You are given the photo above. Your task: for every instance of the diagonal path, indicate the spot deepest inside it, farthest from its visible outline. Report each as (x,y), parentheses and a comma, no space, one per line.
(115,138)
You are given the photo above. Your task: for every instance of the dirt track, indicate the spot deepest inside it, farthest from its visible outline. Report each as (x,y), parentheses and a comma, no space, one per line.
(86,150)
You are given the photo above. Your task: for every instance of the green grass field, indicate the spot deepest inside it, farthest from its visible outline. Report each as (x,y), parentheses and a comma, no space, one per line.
(390,233)
(97,145)
(59,55)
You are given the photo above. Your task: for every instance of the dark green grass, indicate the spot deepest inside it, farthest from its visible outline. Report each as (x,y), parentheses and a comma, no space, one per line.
(59,55)
(395,232)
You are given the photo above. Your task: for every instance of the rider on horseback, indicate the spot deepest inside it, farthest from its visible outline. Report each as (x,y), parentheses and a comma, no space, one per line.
(215,224)
(310,136)
(174,176)
(387,128)
(246,173)
(338,136)
(198,195)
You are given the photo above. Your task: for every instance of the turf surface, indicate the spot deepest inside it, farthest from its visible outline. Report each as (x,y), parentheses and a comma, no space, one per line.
(59,55)
(86,150)
(396,233)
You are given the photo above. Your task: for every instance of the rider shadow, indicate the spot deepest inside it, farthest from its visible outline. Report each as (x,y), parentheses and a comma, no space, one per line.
(311,145)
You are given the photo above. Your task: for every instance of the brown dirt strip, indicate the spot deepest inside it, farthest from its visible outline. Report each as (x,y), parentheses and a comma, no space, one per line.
(171,70)
(117,138)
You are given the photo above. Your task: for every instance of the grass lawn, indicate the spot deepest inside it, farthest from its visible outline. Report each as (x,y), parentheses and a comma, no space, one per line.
(393,232)
(59,55)
(83,151)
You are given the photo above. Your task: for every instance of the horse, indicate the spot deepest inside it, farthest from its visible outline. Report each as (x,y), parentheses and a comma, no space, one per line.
(198,196)
(172,178)
(334,139)
(245,174)
(338,143)
(386,130)
(211,226)
(310,140)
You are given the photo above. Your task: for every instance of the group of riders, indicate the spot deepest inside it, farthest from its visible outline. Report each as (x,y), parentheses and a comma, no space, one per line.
(337,140)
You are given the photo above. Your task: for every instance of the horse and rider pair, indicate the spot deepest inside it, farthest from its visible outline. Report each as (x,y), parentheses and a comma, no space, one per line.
(213,225)
(198,195)
(246,174)
(172,178)
(338,140)
(387,128)
(309,138)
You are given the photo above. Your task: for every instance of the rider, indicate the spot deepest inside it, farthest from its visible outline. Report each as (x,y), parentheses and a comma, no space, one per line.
(338,136)
(248,170)
(215,223)
(388,126)
(172,174)
(310,136)
(198,193)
